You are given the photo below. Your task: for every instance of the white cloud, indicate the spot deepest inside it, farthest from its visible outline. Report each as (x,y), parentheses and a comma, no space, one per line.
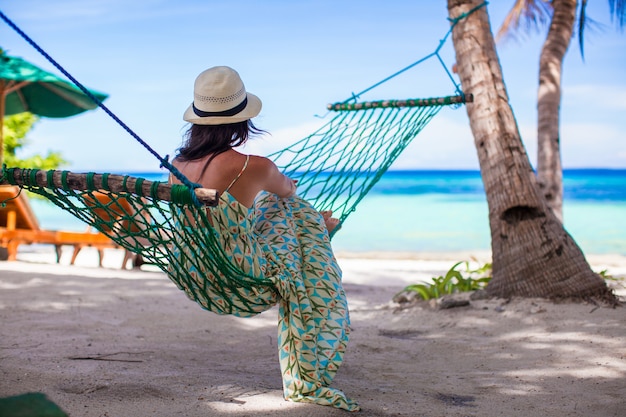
(446,142)
(592,145)
(601,96)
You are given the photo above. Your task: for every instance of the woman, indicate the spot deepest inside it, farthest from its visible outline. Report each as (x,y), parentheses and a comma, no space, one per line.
(268,232)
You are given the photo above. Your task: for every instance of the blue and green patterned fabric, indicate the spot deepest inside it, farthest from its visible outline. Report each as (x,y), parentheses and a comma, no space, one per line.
(286,242)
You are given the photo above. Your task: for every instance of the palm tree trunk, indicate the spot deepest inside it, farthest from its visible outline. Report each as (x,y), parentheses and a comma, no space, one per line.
(533,256)
(549,170)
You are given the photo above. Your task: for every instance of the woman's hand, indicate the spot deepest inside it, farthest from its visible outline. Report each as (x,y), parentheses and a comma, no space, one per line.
(294,186)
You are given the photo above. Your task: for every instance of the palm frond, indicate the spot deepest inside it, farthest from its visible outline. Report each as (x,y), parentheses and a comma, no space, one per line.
(526,15)
(618,12)
(587,24)
(581,27)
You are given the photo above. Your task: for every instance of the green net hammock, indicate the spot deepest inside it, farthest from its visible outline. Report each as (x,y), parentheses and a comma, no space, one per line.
(176,227)
(335,167)
(338,164)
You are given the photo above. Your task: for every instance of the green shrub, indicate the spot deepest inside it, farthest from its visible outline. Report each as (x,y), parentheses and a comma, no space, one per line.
(454,281)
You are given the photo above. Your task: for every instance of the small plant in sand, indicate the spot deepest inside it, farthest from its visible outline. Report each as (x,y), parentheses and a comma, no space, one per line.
(612,281)
(454,281)
(605,275)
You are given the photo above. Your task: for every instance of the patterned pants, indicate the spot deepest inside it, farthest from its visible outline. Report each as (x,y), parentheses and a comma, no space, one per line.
(284,241)
(314,322)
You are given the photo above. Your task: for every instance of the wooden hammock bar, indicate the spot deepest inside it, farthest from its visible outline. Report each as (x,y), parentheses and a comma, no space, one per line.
(67,180)
(416,102)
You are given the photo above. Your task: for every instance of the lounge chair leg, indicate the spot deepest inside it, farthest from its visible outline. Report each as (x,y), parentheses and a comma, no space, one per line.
(12,249)
(57,249)
(11,225)
(138,261)
(127,255)
(77,249)
(135,258)
(100,256)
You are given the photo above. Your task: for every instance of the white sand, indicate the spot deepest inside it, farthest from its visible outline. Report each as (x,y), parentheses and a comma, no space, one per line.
(105,342)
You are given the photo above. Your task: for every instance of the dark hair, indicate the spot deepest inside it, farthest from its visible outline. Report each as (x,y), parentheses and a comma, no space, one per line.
(203,140)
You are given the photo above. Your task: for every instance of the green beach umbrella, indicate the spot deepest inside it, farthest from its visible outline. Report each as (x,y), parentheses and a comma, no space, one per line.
(25,87)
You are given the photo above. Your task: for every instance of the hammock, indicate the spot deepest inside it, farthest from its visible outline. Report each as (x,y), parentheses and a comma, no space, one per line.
(335,167)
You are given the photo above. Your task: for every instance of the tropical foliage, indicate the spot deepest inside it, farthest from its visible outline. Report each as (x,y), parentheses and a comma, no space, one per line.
(533,15)
(461,277)
(454,281)
(15,129)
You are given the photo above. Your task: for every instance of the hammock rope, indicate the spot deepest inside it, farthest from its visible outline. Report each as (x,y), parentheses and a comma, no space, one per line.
(337,165)
(164,162)
(171,225)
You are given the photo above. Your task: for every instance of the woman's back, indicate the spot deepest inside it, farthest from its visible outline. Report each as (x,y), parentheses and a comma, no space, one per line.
(242,176)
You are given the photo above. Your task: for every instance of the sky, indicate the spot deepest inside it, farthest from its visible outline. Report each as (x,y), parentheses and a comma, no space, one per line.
(298,56)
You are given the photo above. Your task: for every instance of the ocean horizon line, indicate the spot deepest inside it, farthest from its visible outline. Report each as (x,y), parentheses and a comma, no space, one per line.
(585,170)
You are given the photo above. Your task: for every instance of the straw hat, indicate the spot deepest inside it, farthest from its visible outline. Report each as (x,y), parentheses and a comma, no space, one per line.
(219,97)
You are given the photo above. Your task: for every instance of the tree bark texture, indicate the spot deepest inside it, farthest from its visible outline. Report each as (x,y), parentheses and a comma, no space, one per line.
(549,170)
(533,256)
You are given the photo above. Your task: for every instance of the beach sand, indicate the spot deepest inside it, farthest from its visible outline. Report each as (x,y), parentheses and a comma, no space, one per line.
(103,342)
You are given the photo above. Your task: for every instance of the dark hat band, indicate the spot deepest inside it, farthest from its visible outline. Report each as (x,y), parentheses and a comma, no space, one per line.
(230,112)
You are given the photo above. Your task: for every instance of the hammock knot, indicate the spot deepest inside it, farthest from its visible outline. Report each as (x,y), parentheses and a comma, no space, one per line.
(462,16)
(64,182)
(164,161)
(7,175)
(50,179)
(154,190)
(32,176)
(90,184)
(183,179)
(139,186)
(105,181)
(182,195)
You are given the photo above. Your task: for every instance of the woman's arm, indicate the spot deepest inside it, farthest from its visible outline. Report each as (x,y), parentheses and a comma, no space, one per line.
(274,181)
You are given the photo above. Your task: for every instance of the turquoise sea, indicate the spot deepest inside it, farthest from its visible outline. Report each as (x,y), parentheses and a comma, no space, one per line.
(442,211)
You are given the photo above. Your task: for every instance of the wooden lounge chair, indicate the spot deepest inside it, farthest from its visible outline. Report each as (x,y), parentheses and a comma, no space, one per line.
(118,212)
(19,225)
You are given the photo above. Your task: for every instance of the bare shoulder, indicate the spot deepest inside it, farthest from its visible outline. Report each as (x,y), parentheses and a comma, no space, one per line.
(268,177)
(261,165)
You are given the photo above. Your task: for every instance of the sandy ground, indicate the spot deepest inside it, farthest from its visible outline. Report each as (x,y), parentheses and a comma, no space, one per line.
(105,342)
